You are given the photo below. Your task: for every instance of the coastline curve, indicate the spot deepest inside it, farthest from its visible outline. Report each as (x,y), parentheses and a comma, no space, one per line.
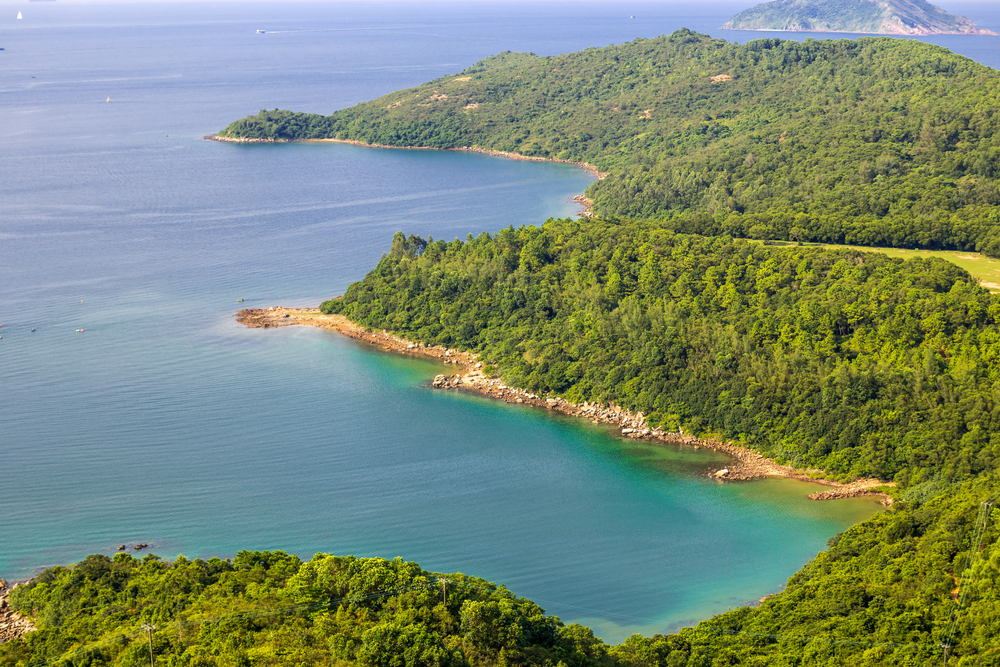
(746,464)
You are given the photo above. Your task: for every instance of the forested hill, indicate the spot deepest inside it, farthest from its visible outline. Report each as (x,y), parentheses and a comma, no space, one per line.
(877,141)
(880,596)
(848,361)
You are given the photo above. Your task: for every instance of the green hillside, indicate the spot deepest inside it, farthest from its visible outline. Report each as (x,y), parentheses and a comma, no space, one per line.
(877,141)
(880,596)
(852,362)
(893,17)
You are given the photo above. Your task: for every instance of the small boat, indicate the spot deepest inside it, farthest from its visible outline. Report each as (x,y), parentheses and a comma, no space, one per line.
(80,330)
(32,329)
(259,32)
(109,98)
(239,300)
(19,15)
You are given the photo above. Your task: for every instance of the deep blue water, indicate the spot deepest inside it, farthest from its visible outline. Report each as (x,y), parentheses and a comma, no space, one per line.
(165,422)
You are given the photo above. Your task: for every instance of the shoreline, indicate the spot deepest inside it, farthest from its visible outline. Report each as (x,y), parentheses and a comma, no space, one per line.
(580,199)
(746,464)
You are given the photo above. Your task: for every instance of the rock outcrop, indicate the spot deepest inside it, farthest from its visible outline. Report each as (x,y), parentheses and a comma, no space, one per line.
(12,624)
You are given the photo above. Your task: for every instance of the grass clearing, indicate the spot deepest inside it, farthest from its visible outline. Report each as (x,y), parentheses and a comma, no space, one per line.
(984,268)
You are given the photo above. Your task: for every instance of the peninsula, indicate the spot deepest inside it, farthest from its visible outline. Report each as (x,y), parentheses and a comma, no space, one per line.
(883,17)
(875,141)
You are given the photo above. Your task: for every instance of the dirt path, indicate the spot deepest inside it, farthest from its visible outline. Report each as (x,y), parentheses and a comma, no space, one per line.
(746,464)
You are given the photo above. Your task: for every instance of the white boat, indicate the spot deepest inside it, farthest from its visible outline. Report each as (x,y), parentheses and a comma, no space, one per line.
(19,15)
(261,32)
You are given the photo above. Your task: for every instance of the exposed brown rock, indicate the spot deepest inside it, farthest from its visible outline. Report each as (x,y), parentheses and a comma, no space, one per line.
(12,625)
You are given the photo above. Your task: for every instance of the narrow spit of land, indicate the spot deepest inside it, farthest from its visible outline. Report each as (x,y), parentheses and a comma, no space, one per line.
(745,464)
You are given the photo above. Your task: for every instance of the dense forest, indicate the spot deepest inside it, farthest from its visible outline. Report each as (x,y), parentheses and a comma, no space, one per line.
(875,141)
(881,595)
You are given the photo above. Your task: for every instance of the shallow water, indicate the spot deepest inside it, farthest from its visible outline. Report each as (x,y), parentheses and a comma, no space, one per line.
(166,422)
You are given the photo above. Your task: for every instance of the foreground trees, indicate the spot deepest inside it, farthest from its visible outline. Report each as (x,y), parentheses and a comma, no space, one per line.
(881,595)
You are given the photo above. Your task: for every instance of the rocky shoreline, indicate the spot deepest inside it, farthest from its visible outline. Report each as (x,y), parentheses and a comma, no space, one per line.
(468,149)
(745,464)
(12,625)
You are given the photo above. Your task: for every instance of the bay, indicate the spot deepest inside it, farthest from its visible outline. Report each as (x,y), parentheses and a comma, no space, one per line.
(166,422)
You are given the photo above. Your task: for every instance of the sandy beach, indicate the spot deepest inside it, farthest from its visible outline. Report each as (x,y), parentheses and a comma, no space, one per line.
(745,464)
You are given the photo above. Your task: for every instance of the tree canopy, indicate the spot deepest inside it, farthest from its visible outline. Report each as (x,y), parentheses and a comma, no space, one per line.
(848,361)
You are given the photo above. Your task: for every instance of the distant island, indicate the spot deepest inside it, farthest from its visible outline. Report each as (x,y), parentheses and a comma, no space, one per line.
(886,17)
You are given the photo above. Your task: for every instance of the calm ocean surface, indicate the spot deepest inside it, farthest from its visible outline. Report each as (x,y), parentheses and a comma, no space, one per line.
(167,423)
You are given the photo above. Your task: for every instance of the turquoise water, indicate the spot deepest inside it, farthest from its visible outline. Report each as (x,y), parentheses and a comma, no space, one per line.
(166,422)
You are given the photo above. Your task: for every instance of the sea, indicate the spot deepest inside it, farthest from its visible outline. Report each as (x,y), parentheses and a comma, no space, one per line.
(134,409)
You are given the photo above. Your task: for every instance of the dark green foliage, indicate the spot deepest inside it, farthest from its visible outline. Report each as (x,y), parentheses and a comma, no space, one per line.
(266,608)
(875,142)
(881,595)
(852,362)
(277,125)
